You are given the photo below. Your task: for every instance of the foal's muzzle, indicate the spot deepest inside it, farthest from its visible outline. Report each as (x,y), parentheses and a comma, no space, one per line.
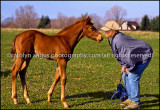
(99,38)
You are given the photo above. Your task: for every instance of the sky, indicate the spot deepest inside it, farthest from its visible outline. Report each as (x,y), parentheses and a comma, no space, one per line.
(135,9)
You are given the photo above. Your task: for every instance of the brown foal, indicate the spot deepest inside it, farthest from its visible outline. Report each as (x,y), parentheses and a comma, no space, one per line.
(33,42)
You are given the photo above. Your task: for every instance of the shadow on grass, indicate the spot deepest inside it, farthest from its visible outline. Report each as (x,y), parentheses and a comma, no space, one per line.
(101,95)
(5,73)
(150,103)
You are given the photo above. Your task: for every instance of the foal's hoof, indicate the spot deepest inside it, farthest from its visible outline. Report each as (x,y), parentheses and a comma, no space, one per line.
(16,103)
(49,101)
(29,103)
(66,107)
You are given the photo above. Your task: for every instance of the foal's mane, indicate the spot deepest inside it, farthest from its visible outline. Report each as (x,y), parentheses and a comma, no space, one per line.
(87,20)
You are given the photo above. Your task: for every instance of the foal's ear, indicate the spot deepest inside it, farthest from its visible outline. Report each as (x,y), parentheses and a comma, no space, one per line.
(89,19)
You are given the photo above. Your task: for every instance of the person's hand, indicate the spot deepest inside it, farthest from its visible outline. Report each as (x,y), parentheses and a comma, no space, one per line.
(127,72)
(123,70)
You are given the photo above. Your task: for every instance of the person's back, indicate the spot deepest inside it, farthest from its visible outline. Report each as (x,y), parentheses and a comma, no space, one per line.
(131,51)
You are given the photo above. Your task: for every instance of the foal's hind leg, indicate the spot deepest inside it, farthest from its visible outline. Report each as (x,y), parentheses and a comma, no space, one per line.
(56,79)
(22,74)
(14,71)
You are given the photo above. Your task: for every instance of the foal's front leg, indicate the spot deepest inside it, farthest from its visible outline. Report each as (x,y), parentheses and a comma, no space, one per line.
(62,64)
(56,79)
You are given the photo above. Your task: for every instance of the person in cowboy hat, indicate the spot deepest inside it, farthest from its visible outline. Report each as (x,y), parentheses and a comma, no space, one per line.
(133,55)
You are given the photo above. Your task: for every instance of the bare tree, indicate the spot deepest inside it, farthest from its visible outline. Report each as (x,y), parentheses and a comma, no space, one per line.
(138,20)
(26,17)
(8,23)
(62,20)
(71,20)
(96,21)
(116,13)
(5,22)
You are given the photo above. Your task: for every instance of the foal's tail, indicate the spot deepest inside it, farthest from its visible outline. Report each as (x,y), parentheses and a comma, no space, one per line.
(13,51)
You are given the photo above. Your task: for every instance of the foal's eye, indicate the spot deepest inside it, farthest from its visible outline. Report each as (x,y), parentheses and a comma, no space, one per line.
(92,28)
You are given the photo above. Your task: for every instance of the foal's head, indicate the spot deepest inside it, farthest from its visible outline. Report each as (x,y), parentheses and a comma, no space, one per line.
(91,32)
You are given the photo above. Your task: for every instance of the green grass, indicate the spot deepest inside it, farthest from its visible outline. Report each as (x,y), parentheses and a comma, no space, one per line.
(90,81)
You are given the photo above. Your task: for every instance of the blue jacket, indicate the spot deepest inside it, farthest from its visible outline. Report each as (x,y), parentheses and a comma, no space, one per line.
(130,51)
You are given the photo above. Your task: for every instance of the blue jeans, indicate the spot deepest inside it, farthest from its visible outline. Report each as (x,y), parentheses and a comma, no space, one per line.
(131,82)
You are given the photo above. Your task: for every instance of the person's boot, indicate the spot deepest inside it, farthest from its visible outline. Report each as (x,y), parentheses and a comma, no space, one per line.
(132,105)
(126,102)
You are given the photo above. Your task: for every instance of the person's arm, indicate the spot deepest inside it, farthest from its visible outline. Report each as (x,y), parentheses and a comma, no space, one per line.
(124,58)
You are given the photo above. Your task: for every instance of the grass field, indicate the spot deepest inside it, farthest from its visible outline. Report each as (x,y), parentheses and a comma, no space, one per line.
(91,81)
